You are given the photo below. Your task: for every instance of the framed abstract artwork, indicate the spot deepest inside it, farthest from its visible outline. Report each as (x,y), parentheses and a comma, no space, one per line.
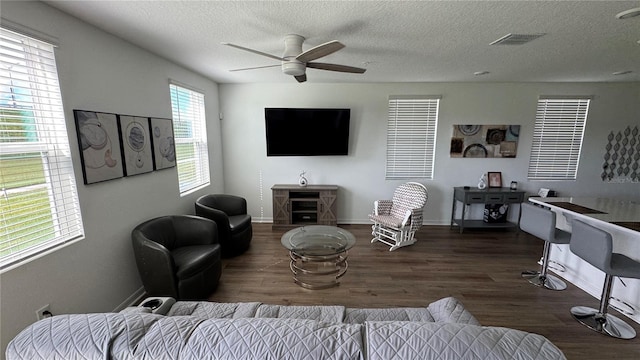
(163,144)
(99,143)
(485,141)
(136,145)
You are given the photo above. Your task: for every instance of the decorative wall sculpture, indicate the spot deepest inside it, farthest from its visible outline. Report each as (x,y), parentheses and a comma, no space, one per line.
(622,156)
(485,141)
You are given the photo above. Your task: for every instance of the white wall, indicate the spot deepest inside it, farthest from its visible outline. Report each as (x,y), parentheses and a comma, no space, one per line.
(360,175)
(102,73)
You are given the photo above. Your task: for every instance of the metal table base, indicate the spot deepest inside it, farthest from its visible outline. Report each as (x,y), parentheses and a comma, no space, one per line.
(318,271)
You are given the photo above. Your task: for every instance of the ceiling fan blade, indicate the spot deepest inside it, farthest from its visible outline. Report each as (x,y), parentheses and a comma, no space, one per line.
(336,67)
(301,78)
(320,51)
(256,67)
(253,51)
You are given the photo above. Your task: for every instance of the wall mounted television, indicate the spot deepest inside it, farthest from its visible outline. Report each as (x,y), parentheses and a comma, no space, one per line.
(307,132)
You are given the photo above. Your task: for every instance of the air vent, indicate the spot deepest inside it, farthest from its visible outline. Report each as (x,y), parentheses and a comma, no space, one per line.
(516,39)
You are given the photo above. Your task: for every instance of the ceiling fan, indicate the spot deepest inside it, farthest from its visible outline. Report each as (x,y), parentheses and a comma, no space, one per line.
(294,61)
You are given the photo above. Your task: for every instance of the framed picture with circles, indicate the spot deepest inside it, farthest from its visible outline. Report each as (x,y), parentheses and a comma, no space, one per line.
(484,141)
(135,136)
(99,145)
(163,145)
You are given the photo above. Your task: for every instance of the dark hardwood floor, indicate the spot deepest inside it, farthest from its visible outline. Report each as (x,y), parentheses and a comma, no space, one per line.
(480,268)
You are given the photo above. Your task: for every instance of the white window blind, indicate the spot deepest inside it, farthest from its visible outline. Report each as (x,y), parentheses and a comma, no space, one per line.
(190,134)
(411,136)
(38,194)
(557,138)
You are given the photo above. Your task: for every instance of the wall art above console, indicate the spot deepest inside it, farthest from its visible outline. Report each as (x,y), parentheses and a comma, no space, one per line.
(484,141)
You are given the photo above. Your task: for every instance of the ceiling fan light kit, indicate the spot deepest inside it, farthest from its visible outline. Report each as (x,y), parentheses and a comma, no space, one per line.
(295,62)
(293,68)
(293,48)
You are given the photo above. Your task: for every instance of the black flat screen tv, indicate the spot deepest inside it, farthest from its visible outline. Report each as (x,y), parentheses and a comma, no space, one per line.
(307,132)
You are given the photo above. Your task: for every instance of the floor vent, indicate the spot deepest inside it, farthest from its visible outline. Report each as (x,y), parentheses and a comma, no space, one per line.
(516,39)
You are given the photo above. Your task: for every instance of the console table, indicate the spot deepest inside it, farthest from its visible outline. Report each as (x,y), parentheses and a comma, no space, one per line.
(295,205)
(470,195)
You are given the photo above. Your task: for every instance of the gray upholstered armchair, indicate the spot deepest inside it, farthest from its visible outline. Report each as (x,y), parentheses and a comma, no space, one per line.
(178,256)
(234,224)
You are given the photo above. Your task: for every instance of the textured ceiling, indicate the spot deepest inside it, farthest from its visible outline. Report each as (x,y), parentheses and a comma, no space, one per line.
(397,41)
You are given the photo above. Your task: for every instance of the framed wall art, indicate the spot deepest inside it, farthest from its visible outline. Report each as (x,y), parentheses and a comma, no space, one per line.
(163,144)
(485,141)
(99,143)
(136,145)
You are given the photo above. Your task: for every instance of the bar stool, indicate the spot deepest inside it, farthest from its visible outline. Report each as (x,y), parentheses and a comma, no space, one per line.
(541,223)
(595,246)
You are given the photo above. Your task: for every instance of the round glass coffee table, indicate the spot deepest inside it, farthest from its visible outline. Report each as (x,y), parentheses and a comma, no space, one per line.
(318,254)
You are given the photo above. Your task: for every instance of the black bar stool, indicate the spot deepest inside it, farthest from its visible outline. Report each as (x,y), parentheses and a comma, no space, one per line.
(541,223)
(595,246)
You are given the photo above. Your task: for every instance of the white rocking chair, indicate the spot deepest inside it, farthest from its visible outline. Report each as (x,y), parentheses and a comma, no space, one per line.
(396,221)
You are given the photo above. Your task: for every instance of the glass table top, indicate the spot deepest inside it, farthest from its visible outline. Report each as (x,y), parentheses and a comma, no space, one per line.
(318,240)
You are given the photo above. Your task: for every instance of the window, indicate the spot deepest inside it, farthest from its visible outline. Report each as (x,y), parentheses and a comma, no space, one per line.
(190,133)
(38,196)
(411,136)
(557,138)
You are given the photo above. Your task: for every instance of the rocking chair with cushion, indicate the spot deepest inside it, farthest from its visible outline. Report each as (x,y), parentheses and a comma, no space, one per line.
(396,221)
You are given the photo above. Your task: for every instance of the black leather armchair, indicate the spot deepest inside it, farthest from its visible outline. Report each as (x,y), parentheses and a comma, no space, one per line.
(178,256)
(234,224)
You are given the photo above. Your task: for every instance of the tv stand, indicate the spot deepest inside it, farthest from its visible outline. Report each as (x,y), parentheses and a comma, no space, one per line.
(295,205)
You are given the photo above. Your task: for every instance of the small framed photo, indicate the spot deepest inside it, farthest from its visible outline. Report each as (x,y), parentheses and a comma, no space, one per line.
(495,179)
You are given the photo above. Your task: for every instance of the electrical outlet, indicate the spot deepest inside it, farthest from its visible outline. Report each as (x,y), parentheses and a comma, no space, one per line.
(43,312)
